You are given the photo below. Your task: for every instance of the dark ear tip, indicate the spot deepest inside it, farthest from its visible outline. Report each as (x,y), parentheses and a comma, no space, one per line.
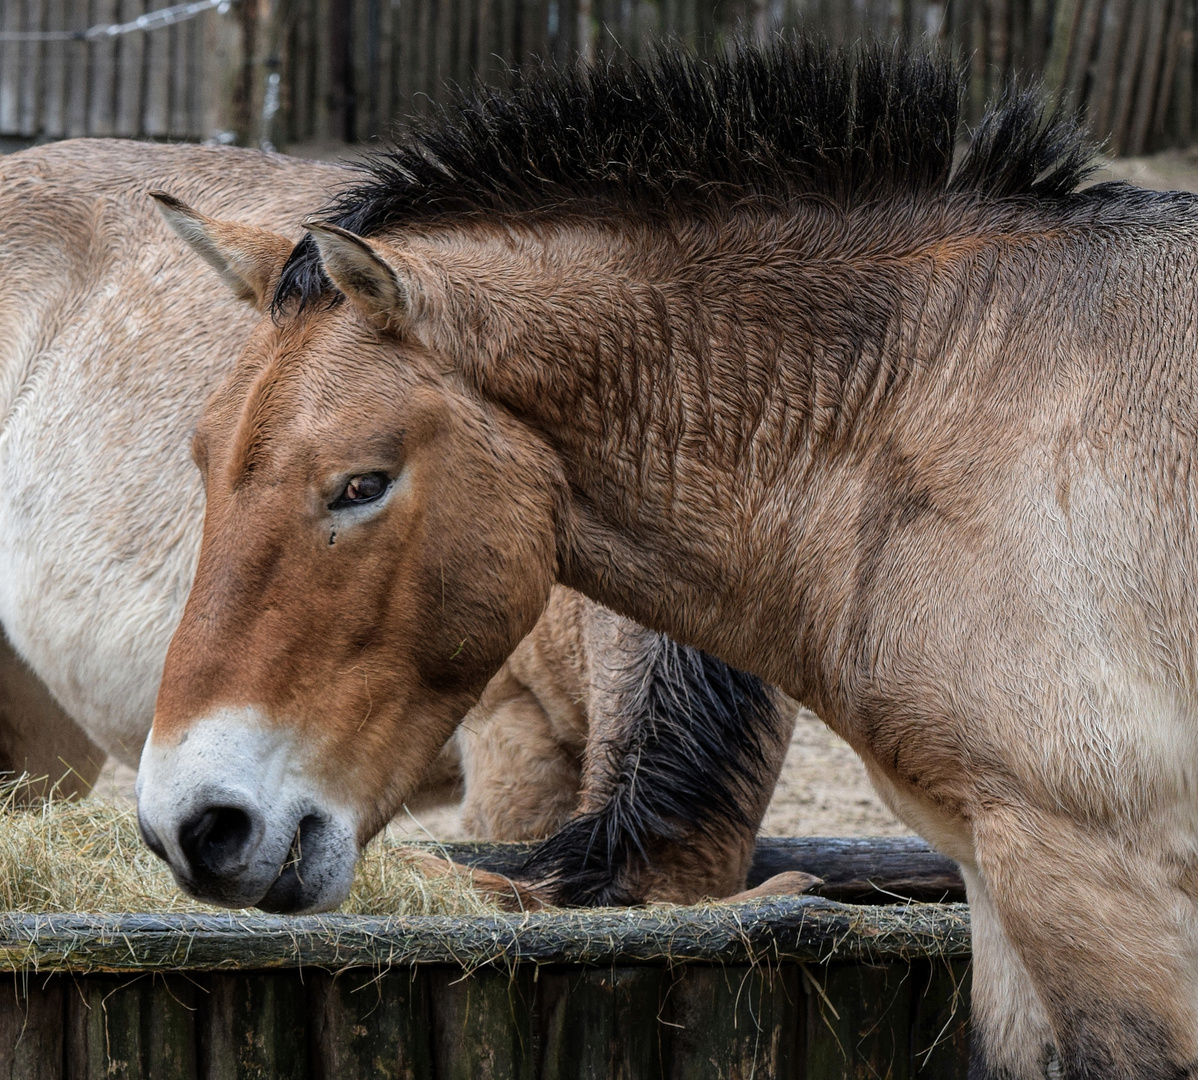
(167,199)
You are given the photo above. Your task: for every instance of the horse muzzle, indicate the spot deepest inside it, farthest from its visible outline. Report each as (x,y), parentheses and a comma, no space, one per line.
(231,810)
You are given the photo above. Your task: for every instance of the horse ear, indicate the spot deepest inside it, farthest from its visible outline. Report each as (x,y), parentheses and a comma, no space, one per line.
(380,290)
(247,258)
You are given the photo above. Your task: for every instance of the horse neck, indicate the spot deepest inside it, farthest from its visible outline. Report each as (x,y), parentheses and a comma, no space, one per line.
(702,390)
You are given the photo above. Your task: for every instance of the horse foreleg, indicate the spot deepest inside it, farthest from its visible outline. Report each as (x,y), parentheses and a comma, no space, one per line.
(1084,954)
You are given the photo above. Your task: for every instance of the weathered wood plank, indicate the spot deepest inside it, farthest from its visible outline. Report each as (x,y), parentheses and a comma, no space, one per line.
(802,928)
(156,105)
(600,1022)
(32,1021)
(255,1028)
(735,1021)
(859,1021)
(853,868)
(130,68)
(172,1003)
(482,1024)
(54,121)
(10,71)
(101,103)
(940,1019)
(104,1029)
(31,70)
(371,1027)
(1142,115)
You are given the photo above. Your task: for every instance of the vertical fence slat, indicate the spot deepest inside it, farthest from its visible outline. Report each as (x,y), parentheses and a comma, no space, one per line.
(1106,68)
(1184,92)
(130,61)
(1146,84)
(10,71)
(859,1021)
(940,1019)
(371,1027)
(593,1022)
(1168,81)
(101,119)
(76,74)
(482,1024)
(32,1020)
(255,1024)
(1130,67)
(54,120)
(733,1020)
(156,79)
(31,70)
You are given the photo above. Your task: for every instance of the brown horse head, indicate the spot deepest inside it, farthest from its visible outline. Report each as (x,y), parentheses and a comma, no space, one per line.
(361,514)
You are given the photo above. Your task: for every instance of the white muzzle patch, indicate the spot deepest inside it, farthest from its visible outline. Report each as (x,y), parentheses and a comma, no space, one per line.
(235,812)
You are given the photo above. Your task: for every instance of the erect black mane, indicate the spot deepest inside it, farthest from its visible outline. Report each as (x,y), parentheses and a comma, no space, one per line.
(790,122)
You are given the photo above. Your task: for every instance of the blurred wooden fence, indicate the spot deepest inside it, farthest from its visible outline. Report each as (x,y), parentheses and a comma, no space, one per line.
(348,70)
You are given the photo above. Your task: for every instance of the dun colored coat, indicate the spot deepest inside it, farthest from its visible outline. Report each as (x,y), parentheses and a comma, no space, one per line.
(112,336)
(741,352)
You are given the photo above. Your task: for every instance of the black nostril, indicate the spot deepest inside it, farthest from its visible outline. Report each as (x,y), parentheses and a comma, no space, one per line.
(214,839)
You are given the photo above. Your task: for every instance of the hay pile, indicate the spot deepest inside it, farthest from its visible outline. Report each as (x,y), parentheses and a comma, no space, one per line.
(60,855)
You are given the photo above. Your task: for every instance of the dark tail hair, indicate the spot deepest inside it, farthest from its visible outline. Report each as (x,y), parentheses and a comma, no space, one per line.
(685,758)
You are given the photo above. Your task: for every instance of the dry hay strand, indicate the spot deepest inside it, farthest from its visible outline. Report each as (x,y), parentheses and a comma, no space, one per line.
(66,855)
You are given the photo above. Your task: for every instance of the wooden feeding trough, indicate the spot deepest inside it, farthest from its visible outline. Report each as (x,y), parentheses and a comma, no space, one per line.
(796,987)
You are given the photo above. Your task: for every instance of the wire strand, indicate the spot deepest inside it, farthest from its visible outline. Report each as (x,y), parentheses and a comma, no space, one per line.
(151,20)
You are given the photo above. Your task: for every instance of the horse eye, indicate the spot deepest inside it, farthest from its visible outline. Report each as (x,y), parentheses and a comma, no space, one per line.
(361,489)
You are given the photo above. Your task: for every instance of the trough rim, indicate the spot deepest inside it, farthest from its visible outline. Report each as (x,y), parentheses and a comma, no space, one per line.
(770,931)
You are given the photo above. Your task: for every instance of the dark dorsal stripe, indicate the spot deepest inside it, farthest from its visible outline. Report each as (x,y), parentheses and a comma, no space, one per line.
(684,134)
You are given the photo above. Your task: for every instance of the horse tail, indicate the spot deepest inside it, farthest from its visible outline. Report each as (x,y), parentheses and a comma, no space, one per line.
(684,750)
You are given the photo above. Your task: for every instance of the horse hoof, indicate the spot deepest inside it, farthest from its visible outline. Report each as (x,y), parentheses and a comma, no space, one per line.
(501,891)
(790,883)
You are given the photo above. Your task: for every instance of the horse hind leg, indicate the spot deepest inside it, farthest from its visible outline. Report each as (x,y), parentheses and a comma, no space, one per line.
(38,739)
(1084,960)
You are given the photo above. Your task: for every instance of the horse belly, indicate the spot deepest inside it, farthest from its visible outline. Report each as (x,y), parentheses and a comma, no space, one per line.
(100,519)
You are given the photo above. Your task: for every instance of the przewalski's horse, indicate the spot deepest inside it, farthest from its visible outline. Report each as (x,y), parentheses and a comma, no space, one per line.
(113,336)
(740,352)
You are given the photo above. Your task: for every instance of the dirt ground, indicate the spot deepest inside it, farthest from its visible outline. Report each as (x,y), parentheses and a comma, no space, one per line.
(823,790)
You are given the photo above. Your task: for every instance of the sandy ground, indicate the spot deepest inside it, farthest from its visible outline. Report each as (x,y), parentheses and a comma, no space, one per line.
(823,790)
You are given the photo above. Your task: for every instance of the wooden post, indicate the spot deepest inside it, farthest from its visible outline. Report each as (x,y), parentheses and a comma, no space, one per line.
(256,1025)
(1056,64)
(1106,69)
(371,1027)
(10,72)
(131,53)
(77,60)
(101,106)
(586,33)
(54,120)
(32,1018)
(1185,77)
(1130,68)
(1168,81)
(592,1022)
(155,117)
(481,1023)
(32,71)
(222,65)
(845,1035)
